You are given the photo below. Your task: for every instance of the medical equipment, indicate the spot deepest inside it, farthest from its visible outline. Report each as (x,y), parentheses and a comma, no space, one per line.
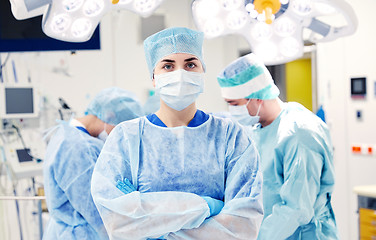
(358,87)
(27,35)
(76,20)
(24,161)
(274,28)
(18,102)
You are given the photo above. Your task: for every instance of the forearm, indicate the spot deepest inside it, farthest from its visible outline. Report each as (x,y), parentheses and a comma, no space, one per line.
(151,215)
(234,222)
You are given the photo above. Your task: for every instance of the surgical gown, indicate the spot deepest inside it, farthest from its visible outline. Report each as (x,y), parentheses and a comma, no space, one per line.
(297,163)
(171,169)
(69,163)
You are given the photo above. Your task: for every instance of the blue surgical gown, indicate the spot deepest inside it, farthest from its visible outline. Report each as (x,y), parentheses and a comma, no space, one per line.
(171,169)
(70,158)
(297,162)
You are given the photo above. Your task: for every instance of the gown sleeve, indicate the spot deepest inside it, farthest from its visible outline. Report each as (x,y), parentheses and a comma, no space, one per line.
(138,215)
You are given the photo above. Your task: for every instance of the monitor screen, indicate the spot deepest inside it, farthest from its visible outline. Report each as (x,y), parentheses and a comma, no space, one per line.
(23,155)
(19,101)
(27,35)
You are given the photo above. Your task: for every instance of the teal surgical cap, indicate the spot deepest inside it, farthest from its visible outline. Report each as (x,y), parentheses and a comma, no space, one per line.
(172,40)
(247,77)
(114,105)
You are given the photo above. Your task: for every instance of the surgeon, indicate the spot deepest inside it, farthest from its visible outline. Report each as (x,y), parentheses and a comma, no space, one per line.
(295,151)
(70,157)
(178,173)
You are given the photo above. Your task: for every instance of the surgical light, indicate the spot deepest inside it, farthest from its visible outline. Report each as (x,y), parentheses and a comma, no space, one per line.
(285,27)
(76,20)
(81,27)
(93,7)
(232,4)
(262,31)
(60,23)
(289,47)
(125,1)
(236,19)
(213,28)
(274,28)
(72,5)
(302,7)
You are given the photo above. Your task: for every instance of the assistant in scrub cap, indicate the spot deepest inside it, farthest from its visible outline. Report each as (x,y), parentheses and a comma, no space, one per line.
(247,77)
(172,40)
(114,105)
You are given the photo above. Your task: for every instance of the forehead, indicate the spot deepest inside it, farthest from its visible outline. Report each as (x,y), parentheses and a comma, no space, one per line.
(240,101)
(178,57)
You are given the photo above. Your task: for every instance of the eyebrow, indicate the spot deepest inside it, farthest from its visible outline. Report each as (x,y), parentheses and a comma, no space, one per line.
(190,59)
(168,60)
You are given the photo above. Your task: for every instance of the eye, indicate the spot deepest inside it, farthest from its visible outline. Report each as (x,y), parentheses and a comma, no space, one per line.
(191,65)
(167,67)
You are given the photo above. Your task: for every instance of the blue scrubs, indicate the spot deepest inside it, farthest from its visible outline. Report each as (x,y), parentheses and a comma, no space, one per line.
(172,169)
(297,163)
(69,163)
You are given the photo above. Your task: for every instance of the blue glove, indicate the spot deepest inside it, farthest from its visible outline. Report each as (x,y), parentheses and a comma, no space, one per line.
(215,205)
(125,186)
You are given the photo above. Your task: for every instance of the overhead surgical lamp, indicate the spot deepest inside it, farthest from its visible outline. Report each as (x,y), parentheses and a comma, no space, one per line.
(76,20)
(273,28)
(24,9)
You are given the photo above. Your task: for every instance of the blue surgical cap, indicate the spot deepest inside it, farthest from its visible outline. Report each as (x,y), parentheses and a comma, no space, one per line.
(114,105)
(172,40)
(247,77)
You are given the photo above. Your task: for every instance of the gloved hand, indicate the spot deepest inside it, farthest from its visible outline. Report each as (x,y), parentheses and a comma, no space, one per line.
(125,186)
(215,205)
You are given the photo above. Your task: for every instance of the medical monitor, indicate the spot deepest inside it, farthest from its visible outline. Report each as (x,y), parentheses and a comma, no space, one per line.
(17,102)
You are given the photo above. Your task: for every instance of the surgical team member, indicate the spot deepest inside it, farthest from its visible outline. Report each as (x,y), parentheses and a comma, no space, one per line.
(178,173)
(71,154)
(295,151)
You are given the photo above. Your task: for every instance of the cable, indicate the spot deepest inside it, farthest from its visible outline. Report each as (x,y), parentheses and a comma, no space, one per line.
(5,61)
(63,103)
(3,65)
(27,150)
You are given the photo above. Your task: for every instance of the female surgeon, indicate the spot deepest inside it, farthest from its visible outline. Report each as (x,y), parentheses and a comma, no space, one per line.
(178,173)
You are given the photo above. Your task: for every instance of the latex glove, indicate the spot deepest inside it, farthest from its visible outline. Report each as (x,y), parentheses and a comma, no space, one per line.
(215,205)
(125,186)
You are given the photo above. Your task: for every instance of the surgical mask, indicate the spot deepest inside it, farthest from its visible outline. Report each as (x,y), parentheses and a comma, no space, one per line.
(241,114)
(103,135)
(180,88)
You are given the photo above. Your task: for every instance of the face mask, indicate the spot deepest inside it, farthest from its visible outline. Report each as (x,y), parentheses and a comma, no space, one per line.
(180,88)
(103,135)
(241,114)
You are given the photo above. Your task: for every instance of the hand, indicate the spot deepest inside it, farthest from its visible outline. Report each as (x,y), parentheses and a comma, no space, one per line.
(215,205)
(125,186)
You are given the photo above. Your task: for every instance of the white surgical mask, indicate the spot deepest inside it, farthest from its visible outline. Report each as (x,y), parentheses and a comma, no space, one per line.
(241,114)
(180,88)
(103,135)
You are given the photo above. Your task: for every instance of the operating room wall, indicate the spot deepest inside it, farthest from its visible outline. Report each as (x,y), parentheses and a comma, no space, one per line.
(337,62)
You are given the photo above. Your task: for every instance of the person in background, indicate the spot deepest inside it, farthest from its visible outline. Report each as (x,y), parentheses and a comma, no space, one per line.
(178,173)
(70,157)
(152,104)
(295,150)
